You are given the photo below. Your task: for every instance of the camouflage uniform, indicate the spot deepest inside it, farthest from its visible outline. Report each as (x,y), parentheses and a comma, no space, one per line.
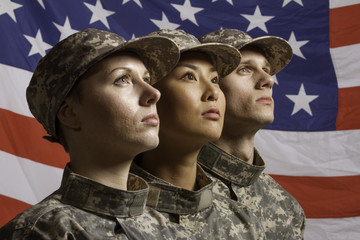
(206,214)
(84,209)
(280,214)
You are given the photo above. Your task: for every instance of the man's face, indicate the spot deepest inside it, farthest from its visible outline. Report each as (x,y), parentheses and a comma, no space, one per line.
(192,105)
(248,92)
(117,107)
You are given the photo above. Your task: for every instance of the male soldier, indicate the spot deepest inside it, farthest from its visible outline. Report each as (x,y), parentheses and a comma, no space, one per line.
(91,93)
(249,107)
(191,112)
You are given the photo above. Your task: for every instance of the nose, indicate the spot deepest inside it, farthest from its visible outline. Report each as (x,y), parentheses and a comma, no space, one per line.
(211,92)
(265,80)
(150,95)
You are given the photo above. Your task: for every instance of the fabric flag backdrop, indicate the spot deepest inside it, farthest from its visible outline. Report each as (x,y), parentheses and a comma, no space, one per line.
(312,148)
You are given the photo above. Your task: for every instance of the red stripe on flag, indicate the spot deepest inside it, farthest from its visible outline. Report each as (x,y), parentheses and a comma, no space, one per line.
(22,136)
(324,197)
(344,26)
(348,109)
(9,208)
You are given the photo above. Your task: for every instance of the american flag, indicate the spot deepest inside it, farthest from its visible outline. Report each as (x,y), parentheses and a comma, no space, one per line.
(313,147)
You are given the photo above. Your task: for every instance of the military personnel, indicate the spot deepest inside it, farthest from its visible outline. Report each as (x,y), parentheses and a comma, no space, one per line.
(249,107)
(191,111)
(91,93)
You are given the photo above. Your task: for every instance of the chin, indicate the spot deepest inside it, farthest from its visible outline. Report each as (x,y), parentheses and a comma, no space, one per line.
(212,136)
(266,122)
(150,146)
(149,141)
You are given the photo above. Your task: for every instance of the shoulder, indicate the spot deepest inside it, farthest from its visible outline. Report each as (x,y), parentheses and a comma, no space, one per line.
(45,220)
(277,194)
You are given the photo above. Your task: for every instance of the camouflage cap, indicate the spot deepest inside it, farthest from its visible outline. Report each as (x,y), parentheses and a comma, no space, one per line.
(57,72)
(277,50)
(224,57)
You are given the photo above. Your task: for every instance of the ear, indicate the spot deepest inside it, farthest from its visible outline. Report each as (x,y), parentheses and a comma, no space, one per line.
(67,115)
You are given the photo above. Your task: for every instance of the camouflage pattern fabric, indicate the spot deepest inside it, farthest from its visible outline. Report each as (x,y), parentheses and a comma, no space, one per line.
(280,214)
(206,214)
(84,209)
(224,57)
(276,49)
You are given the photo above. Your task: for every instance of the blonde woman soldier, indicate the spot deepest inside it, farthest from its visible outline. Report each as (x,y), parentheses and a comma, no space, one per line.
(91,93)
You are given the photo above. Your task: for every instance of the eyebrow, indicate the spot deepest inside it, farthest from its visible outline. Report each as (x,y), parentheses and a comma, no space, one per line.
(212,69)
(267,64)
(127,69)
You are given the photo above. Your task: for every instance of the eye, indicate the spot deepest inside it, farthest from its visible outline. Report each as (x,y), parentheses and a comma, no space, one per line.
(215,80)
(267,70)
(147,80)
(243,69)
(125,79)
(189,76)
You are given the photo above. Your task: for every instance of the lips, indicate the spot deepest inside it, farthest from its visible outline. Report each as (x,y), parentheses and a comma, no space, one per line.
(151,119)
(266,100)
(212,113)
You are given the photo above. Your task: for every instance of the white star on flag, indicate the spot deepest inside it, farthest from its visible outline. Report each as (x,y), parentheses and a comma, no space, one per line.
(164,23)
(229,1)
(136,1)
(65,30)
(275,79)
(99,13)
(302,101)
(296,45)
(37,44)
(257,20)
(286,2)
(41,2)
(187,11)
(6,6)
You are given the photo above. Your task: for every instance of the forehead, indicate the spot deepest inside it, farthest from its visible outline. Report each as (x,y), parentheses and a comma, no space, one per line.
(113,61)
(253,53)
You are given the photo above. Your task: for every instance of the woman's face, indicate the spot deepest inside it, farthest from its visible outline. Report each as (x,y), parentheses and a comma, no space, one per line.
(117,107)
(192,105)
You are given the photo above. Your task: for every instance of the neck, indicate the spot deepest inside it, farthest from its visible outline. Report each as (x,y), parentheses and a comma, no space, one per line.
(112,171)
(241,146)
(174,164)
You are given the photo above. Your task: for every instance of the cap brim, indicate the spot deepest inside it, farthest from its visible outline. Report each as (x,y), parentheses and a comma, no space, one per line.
(159,54)
(277,51)
(224,57)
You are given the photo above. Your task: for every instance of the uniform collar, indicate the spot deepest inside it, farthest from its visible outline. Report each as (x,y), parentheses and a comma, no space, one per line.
(229,167)
(169,198)
(89,195)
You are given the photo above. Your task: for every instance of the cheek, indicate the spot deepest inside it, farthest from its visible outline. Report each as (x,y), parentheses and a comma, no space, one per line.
(222,102)
(114,109)
(238,102)
(176,102)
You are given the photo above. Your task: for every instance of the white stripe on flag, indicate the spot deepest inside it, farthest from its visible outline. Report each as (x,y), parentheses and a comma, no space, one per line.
(26,180)
(342,3)
(332,229)
(310,153)
(13,84)
(347,72)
